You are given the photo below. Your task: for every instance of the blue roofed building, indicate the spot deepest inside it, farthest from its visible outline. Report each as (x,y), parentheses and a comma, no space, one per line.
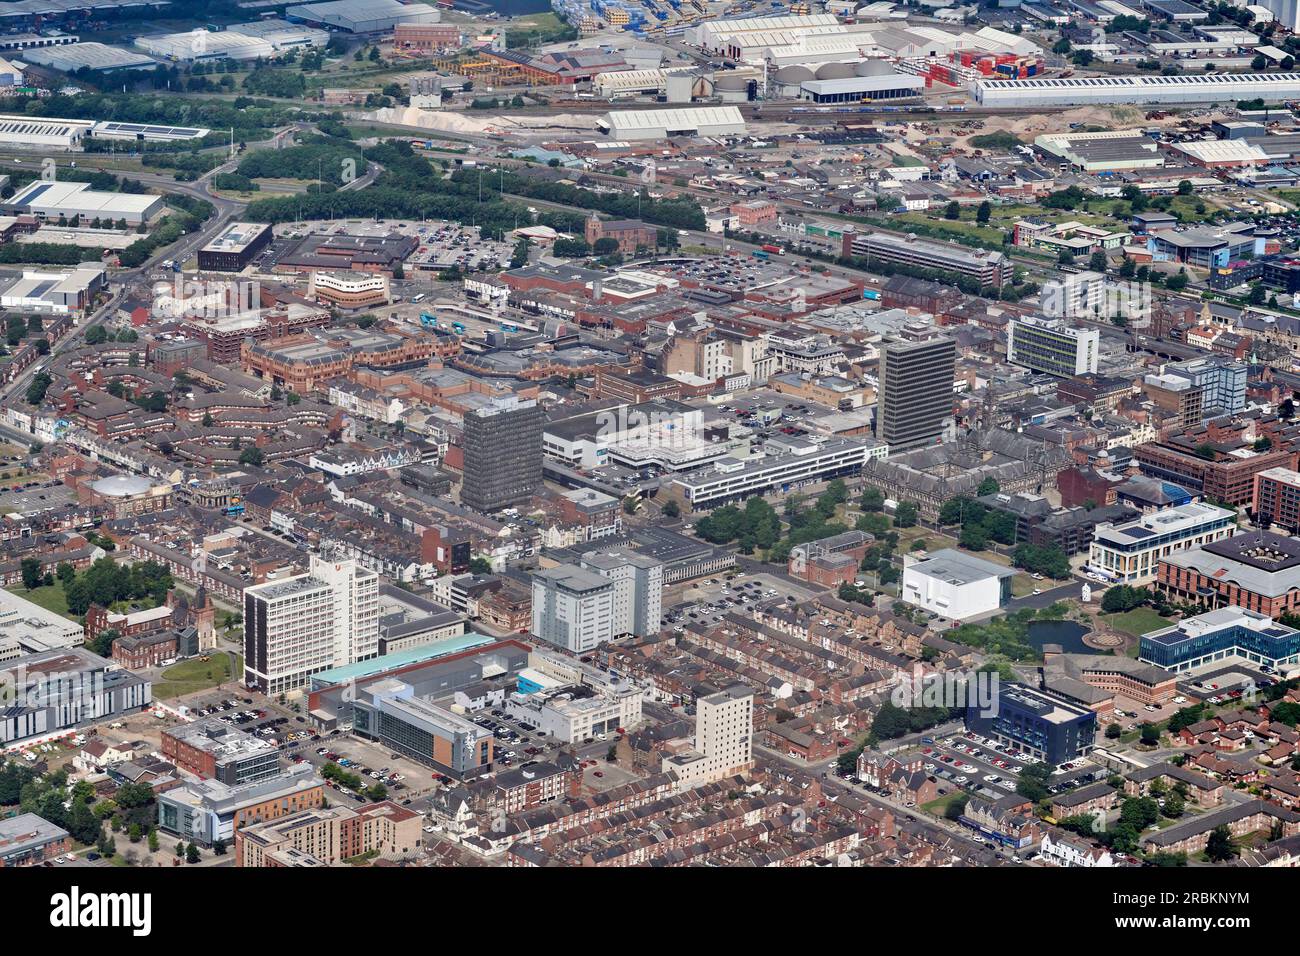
(1224,635)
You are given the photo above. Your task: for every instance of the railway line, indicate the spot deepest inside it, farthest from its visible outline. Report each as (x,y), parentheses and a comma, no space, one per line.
(775,112)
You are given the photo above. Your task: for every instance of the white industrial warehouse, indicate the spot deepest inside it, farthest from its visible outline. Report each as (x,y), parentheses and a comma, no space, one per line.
(362,16)
(44,131)
(88,56)
(49,201)
(661,124)
(47,132)
(618,83)
(821,38)
(27,9)
(53,290)
(675,85)
(243,41)
(10,75)
(1190,88)
(148,132)
(855,82)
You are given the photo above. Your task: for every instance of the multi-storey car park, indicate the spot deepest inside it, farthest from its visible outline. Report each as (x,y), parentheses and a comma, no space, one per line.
(879,247)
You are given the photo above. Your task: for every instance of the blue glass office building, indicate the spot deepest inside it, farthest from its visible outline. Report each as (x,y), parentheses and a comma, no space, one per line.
(1229,632)
(1052,728)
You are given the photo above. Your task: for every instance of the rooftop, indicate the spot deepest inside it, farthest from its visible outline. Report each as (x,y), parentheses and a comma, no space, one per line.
(957,567)
(1181,519)
(1257,561)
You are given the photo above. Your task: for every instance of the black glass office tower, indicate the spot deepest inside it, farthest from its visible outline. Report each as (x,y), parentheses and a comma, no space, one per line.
(502,445)
(915,394)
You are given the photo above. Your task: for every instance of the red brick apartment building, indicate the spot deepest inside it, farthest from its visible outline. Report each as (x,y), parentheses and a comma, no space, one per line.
(756,212)
(528,787)
(1225,478)
(507,607)
(100,619)
(426,37)
(225,335)
(1276,499)
(30,840)
(1257,570)
(145,650)
(630,234)
(831,561)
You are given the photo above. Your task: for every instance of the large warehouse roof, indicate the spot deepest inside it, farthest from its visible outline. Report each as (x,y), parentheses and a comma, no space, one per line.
(112,129)
(1213,151)
(1188,88)
(200,45)
(95,56)
(363,16)
(53,8)
(55,197)
(616,80)
(650,124)
(713,31)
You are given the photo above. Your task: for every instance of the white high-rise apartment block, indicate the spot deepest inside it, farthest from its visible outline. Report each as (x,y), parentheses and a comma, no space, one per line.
(309,623)
(573,608)
(724,739)
(638,590)
(1052,346)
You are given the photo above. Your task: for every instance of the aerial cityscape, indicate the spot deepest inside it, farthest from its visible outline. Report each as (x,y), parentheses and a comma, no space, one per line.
(649,433)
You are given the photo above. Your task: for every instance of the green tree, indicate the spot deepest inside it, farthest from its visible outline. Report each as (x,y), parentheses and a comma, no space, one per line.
(1220,847)
(1167,859)
(191,854)
(1033,781)
(972,538)
(519,257)
(82,823)
(956,807)
(1123,597)
(31,572)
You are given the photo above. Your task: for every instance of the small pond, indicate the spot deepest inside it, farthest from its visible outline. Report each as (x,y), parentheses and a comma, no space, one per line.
(1068,634)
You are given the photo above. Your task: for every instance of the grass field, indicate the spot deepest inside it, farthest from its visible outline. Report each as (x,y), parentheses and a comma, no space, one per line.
(51,598)
(1103,213)
(934,540)
(936,808)
(190,676)
(1022,584)
(990,236)
(1136,622)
